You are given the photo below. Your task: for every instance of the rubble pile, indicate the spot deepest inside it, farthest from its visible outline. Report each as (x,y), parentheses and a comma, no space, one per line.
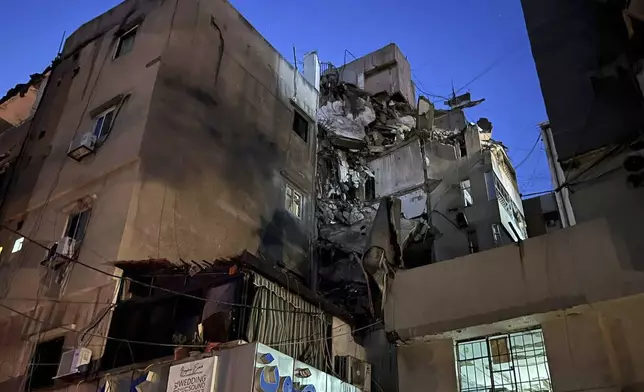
(353,126)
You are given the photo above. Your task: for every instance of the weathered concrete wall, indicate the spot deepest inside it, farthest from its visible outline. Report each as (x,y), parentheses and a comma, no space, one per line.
(399,170)
(447,199)
(342,341)
(100,79)
(603,191)
(386,69)
(219,147)
(18,108)
(427,366)
(582,99)
(19,335)
(581,264)
(89,77)
(589,348)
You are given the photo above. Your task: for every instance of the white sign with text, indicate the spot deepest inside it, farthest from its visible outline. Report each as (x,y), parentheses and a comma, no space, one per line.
(196,376)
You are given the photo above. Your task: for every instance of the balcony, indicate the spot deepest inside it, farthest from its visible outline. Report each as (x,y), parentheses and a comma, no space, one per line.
(584,264)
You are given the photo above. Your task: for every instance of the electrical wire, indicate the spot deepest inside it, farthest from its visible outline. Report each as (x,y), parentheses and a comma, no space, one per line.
(74,261)
(524,160)
(490,67)
(101,336)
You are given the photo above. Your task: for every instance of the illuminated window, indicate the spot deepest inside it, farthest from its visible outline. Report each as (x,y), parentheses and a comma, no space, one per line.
(293,201)
(17,246)
(466,191)
(508,362)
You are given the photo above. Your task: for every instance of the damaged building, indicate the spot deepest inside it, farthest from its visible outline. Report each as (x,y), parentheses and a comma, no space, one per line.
(401,184)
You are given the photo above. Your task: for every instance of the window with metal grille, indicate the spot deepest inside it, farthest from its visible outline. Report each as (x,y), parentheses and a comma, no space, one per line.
(508,362)
(293,201)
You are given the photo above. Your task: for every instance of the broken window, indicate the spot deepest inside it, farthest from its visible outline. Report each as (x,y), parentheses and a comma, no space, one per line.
(293,201)
(17,245)
(472,241)
(300,125)
(103,123)
(77,225)
(496,233)
(466,191)
(508,362)
(44,364)
(126,42)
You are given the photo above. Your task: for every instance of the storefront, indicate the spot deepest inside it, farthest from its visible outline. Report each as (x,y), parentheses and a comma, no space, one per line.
(249,367)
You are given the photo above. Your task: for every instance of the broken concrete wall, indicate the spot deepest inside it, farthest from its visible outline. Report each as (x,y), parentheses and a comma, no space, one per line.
(386,69)
(398,170)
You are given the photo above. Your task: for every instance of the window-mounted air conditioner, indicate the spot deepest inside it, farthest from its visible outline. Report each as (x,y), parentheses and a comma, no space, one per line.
(354,371)
(73,362)
(82,147)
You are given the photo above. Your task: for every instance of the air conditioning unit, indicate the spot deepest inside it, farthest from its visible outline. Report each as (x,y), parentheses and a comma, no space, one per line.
(73,362)
(85,146)
(354,371)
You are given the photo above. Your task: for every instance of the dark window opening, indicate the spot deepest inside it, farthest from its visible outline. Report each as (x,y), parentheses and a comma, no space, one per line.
(551,218)
(370,188)
(77,225)
(462,147)
(300,125)
(473,241)
(160,317)
(126,43)
(43,366)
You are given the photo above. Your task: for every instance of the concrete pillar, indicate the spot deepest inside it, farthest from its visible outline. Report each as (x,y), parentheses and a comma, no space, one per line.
(311,69)
(427,367)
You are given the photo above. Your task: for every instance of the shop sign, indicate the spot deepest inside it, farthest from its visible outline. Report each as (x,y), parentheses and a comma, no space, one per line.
(196,376)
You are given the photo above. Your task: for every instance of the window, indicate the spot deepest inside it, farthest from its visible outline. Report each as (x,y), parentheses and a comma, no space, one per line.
(496,233)
(473,241)
(44,364)
(77,224)
(490,184)
(466,191)
(293,201)
(300,125)
(17,245)
(508,362)
(126,42)
(103,123)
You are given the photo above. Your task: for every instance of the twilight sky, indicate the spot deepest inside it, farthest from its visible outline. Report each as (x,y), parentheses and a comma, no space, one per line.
(477,46)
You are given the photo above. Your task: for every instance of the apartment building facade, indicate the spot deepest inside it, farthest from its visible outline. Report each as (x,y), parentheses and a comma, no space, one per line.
(171,130)
(559,311)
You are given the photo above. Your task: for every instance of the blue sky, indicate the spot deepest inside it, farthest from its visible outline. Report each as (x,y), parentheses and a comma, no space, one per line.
(446,42)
